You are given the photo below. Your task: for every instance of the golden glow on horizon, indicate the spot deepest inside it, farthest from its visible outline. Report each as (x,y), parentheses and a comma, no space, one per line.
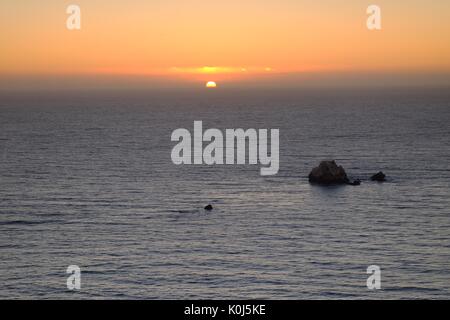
(204,70)
(228,40)
(218,70)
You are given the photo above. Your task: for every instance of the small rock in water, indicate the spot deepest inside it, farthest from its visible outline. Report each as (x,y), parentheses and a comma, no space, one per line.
(209,207)
(380,177)
(356,182)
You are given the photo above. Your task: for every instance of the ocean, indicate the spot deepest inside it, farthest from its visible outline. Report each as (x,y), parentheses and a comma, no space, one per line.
(86,179)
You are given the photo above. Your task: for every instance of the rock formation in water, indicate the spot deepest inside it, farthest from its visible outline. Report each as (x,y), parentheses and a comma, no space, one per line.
(328,172)
(380,177)
(356,182)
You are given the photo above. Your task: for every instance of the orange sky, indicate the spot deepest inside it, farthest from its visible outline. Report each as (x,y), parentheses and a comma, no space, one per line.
(203,40)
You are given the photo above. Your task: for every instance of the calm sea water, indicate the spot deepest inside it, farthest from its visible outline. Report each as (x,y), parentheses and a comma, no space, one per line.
(86,179)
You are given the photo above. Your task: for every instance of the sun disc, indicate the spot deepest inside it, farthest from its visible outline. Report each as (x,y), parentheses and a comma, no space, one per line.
(211,84)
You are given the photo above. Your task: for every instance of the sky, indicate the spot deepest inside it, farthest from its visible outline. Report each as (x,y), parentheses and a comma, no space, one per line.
(234,42)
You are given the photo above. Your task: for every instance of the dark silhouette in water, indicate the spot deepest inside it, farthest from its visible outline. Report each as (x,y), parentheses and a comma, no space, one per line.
(356,182)
(327,173)
(380,177)
(208,207)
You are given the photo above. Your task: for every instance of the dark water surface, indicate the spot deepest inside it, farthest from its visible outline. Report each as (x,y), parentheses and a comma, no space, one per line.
(86,179)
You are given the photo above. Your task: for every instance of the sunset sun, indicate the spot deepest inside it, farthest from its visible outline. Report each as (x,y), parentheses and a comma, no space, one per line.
(211,84)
